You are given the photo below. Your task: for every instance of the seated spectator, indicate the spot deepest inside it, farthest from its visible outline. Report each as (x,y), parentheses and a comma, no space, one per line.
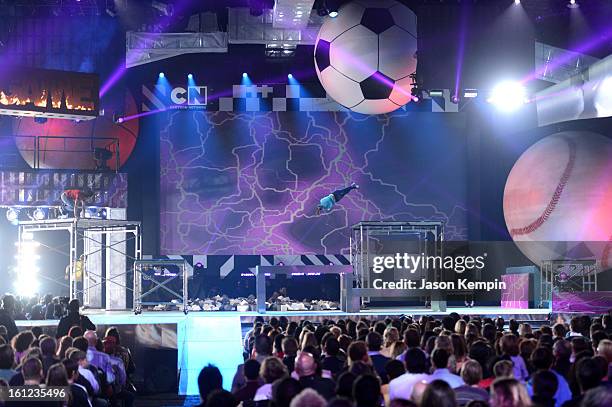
(589,376)
(20,343)
(344,385)
(358,351)
(47,348)
(604,348)
(290,348)
(562,350)
(374,342)
(308,398)
(545,385)
(75,332)
(99,359)
(32,372)
(209,380)
(79,395)
(600,396)
(73,318)
(510,349)
(438,394)
(251,374)
(366,391)
(271,370)
(509,392)
(87,377)
(416,366)
(284,390)
(390,337)
(306,369)
(57,376)
(221,398)
(394,369)
(121,351)
(332,363)
(7,362)
(542,359)
(471,373)
(261,350)
(439,359)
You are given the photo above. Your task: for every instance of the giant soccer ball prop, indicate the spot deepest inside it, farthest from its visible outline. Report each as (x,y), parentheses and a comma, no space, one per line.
(364,56)
(558,199)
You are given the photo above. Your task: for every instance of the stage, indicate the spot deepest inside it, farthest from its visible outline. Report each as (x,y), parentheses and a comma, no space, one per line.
(200,338)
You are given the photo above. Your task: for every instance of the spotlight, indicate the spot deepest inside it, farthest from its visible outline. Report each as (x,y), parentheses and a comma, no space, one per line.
(162,75)
(508,96)
(470,93)
(332,7)
(12,215)
(290,76)
(190,76)
(436,93)
(573,4)
(39,214)
(517,1)
(455,99)
(245,75)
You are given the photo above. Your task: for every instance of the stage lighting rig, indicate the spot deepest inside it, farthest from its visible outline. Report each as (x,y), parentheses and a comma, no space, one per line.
(508,96)
(12,215)
(573,4)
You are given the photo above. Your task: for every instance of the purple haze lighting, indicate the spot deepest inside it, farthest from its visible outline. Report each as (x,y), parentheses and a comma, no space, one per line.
(114,78)
(461,48)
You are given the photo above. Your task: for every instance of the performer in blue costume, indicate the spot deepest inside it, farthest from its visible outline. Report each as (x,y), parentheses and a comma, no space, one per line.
(327,202)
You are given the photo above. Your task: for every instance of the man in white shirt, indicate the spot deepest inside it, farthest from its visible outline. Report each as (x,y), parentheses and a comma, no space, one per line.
(439,360)
(416,366)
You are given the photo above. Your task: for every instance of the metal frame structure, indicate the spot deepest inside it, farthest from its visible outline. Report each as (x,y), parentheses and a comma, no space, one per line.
(360,251)
(91,230)
(139,294)
(587,269)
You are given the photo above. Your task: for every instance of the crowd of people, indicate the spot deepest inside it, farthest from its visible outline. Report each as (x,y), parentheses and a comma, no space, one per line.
(96,370)
(403,362)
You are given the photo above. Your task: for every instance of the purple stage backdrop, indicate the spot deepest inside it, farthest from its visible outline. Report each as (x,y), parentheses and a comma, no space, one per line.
(248,183)
(516,294)
(594,302)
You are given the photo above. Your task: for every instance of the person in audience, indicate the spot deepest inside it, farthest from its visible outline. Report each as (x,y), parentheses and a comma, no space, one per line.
(562,351)
(471,373)
(589,376)
(394,369)
(542,359)
(88,377)
(544,386)
(261,350)
(57,376)
(416,366)
(209,380)
(100,359)
(48,347)
(439,360)
(78,393)
(366,391)
(7,363)
(307,372)
(308,398)
(121,351)
(374,341)
(290,348)
(271,370)
(7,316)
(509,392)
(32,372)
(21,343)
(251,374)
(390,337)
(438,394)
(600,396)
(284,390)
(510,349)
(332,362)
(73,318)
(221,398)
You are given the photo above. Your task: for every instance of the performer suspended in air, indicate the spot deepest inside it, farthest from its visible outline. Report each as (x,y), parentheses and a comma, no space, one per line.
(72,198)
(327,203)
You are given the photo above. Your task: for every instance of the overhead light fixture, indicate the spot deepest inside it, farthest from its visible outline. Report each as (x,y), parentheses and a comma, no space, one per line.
(436,93)
(470,93)
(39,214)
(573,4)
(508,96)
(12,215)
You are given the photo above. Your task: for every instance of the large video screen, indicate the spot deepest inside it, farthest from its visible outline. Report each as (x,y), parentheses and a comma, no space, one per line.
(249,183)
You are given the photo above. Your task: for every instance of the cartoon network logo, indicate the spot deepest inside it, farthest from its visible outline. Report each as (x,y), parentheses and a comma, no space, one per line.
(181,97)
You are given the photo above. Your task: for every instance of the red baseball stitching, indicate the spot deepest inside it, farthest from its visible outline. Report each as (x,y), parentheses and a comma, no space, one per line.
(567,172)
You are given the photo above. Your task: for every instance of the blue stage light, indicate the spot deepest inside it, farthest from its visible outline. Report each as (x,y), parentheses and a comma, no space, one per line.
(290,76)
(190,76)
(161,75)
(244,75)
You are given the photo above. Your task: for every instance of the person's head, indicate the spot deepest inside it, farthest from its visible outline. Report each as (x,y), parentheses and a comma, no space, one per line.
(357,352)
(509,345)
(57,375)
(438,394)
(562,350)
(412,338)
(221,398)
(263,345)
(22,341)
(416,361)
(600,396)
(72,369)
(8,302)
(471,372)
(366,391)
(374,341)
(289,346)
(344,385)
(32,370)
(284,390)
(73,306)
(75,332)
(48,346)
(209,380)
(273,369)
(80,343)
(439,358)
(331,346)
(444,342)
(542,358)
(77,356)
(64,343)
(509,392)
(92,338)
(390,336)
(604,348)
(305,364)
(7,356)
(113,332)
(503,368)
(308,398)
(459,347)
(559,330)
(251,369)
(545,384)
(394,368)
(588,374)
(340,402)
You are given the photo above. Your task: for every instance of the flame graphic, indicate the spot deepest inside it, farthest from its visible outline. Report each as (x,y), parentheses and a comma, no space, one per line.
(13,100)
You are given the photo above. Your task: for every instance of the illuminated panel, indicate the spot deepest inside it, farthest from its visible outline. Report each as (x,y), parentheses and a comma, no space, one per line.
(49,94)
